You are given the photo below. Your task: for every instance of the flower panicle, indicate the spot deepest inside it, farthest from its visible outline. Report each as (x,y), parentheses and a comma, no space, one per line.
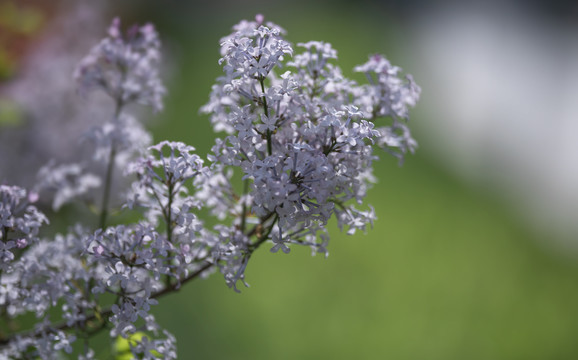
(300,135)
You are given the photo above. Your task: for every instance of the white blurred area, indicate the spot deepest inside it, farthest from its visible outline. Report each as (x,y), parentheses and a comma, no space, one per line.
(500,107)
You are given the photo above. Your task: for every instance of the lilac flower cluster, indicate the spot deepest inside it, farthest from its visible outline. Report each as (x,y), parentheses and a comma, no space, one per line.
(20,222)
(126,68)
(304,138)
(300,135)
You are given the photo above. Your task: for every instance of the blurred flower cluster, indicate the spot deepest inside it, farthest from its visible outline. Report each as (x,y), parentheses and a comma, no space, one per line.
(39,100)
(299,134)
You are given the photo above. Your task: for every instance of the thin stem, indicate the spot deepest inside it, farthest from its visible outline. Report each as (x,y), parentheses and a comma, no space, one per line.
(266,108)
(107,186)
(244,215)
(265,236)
(169,213)
(168,219)
(109,171)
(255,229)
(177,286)
(5,233)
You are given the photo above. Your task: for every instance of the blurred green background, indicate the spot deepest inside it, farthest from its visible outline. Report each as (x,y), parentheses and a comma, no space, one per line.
(447,272)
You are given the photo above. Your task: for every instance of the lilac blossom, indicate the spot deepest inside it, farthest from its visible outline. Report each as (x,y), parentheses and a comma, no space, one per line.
(68,182)
(125,67)
(299,134)
(20,222)
(387,95)
(303,138)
